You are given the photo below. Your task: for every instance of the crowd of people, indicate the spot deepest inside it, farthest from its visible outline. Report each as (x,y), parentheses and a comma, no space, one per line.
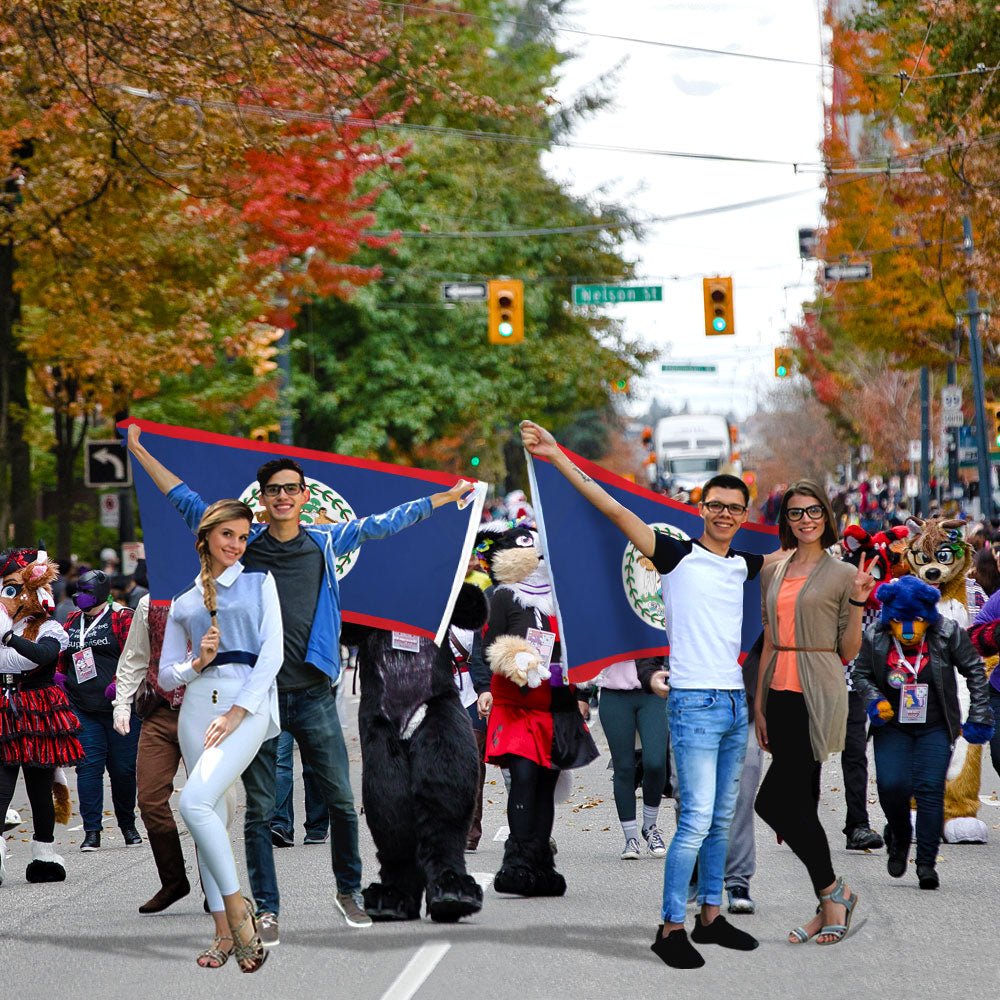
(247,662)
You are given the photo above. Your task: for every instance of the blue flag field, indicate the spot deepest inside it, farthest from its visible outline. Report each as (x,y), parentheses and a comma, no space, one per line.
(407,582)
(609,596)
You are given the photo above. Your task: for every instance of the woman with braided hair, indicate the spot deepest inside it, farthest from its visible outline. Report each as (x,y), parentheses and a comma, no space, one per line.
(224,642)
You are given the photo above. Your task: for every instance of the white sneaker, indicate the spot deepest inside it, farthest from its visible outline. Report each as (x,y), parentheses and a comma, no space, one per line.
(632,850)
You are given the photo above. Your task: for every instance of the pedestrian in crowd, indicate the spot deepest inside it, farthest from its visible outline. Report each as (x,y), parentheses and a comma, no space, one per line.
(317,821)
(38,732)
(137,691)
(96,632)
(126,591)
(629,707)
(65,606)
(741,858)
(302,560)
(707,708)
(811,606)
(232,617)
(985,634)
(983,579)
(906,673)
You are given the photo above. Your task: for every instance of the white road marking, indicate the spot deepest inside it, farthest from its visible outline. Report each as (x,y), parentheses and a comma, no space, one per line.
(484,879)
(989,800)
(416,971)
(73,829)
(502,834)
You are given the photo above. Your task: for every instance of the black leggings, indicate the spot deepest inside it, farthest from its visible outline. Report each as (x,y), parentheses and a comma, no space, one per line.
(38,782)
(788,800)
(531,809)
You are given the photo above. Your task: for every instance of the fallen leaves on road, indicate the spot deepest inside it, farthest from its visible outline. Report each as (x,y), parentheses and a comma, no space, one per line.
(589,804)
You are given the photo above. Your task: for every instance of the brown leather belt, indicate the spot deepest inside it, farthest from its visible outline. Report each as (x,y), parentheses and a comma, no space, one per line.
(802,649)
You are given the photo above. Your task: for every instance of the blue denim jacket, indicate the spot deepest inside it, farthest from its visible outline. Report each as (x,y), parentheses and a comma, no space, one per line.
(335,540)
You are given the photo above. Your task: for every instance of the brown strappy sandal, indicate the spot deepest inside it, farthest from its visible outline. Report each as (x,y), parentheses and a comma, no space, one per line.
(253,952)
(214,957)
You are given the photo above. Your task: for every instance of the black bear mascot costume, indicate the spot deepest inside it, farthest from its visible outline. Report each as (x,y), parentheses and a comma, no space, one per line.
(420,770)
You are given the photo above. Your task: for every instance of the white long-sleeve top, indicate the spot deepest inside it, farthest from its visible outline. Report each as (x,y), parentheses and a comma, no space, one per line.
(251,645)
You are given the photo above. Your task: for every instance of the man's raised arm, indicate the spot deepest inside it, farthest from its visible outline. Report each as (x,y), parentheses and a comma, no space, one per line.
(542,444)
(164,479)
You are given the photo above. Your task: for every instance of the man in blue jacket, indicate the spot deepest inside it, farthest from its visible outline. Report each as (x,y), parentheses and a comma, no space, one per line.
(302,559)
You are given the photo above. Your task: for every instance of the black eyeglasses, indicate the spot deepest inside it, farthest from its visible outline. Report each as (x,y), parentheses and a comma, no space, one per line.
(717,507)
(814,512)
(274,489)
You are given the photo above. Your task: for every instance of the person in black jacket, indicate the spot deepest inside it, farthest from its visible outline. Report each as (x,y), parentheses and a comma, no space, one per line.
(906,674)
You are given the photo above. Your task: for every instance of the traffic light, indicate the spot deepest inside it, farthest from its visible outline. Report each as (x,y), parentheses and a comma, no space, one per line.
(992,423)
(718,293)
(807,244)
(506,309)
(474,461)
(782,362)
(620,385)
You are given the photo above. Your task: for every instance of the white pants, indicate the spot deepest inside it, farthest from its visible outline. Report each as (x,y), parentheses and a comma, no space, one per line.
(203,801)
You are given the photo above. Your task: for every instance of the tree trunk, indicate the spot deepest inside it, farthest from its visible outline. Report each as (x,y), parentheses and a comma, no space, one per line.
(67,449)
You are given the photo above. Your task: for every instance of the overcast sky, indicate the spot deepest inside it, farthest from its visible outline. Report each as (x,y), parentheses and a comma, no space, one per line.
(692,102)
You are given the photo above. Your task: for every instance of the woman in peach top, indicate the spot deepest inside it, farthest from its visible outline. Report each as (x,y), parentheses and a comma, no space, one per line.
(811,605)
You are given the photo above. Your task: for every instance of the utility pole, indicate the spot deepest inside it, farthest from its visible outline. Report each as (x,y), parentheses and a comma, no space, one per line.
(953,482)
(978,381)
(925,440)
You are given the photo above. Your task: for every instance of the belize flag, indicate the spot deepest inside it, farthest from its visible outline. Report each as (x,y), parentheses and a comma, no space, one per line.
(609,597)
(407,583)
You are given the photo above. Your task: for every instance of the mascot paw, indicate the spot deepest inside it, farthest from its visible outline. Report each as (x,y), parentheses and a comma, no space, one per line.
(453,896)
(514,658)
(966,830)
(45,864)
(386,902)
(977,732)
(879,711)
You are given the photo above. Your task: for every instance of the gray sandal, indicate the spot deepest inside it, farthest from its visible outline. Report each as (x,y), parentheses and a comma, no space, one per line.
(838,931)
(801,935)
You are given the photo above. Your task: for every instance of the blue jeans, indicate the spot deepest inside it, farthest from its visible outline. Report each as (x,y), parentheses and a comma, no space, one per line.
(317,815)
(708,734)
(912,764)
(311,718)
(106,749)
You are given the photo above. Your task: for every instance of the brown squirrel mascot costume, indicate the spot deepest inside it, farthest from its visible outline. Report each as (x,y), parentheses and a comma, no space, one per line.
(37,727)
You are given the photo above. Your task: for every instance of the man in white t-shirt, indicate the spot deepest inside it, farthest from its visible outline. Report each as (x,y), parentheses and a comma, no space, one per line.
(707,709)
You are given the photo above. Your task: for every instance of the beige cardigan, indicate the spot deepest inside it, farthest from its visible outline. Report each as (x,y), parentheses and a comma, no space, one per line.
(821,614)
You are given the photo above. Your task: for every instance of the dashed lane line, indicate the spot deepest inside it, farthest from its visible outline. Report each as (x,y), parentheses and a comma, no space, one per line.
(416,971)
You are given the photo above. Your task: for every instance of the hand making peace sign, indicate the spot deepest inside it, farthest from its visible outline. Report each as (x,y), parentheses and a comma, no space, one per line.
(864,582)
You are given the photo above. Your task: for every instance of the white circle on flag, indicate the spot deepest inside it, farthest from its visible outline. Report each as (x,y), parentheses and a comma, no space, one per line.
(642,583)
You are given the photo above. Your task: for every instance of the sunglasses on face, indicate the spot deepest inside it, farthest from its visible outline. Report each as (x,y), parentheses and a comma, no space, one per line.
(814,512)
(274,489)
(717,507)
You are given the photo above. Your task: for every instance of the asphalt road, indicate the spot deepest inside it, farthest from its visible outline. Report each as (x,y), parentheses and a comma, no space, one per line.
(85,938)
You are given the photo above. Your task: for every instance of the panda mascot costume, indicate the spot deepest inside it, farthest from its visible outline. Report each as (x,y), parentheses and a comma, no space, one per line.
(535,727)
(420,769)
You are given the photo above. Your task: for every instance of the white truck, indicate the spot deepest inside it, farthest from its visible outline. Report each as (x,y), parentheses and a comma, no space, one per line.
(691,448)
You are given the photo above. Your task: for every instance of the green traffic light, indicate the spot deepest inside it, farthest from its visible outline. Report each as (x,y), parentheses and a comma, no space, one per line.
(474,461)
(719,324)
(505,329)
(781,371)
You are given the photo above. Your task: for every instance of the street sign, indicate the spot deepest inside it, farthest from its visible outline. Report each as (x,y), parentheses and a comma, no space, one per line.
(110,510)
(848,272)
(867,453)
(911,487)
(463,291)
(688,368)
(599,295)
(914,453)
(968,451)
(951,397)
(132,552)
(952,418)
(106,464)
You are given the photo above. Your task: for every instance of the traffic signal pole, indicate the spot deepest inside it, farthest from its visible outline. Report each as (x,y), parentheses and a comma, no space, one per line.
(925,441)
(978,382)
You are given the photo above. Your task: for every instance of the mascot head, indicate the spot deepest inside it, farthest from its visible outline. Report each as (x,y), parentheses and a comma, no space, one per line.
(937,553)
(508,552)
(882,553)
(26,593)
(909,608)
(92,589)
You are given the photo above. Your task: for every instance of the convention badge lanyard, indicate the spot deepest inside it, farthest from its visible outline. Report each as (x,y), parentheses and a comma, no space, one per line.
(912,696)
(84,664)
